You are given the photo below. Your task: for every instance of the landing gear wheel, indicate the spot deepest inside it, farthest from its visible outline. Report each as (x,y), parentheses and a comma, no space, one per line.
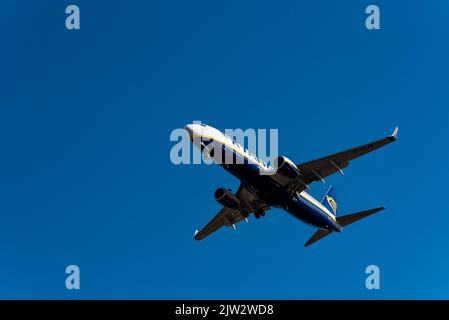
(259,213)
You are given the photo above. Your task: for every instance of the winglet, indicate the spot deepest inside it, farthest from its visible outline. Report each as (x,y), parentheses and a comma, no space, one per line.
(394,136)
(194,234)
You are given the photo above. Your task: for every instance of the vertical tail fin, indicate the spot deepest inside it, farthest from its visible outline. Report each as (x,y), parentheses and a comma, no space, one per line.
(330,200)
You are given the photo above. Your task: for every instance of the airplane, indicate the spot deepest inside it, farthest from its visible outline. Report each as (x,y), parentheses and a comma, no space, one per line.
(282,185)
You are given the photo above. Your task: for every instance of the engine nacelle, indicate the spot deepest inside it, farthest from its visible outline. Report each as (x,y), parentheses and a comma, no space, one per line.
(226,198)
(286,167)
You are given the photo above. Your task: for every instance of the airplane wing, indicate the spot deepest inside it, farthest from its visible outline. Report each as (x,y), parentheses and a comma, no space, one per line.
(228,217)
(317,170)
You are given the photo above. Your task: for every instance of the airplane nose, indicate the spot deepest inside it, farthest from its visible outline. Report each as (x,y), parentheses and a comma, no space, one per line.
(189,129)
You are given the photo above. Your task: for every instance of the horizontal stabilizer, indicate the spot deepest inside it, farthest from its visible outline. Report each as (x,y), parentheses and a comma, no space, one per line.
(342,221)
(319,234)
(351,218)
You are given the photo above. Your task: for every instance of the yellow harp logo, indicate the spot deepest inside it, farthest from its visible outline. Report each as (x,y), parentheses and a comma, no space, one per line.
(332,203)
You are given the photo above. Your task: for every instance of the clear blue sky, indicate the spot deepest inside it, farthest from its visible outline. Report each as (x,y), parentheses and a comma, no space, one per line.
(85,119)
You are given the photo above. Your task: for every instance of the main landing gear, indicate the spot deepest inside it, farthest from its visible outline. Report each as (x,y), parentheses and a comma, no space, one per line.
(259,213)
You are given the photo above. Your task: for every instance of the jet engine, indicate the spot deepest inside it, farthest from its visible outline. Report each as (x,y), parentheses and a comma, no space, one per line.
(226,198)
(286,167)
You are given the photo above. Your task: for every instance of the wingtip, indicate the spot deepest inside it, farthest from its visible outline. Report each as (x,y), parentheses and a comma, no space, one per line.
(379,209)
(195,235)
(394,136)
